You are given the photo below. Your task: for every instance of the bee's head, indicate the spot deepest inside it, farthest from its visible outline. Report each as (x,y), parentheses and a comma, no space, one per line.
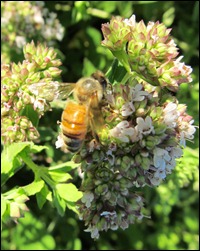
(99,76)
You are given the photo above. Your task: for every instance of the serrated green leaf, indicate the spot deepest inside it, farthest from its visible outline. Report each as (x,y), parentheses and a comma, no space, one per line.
(34,187)
(68,192)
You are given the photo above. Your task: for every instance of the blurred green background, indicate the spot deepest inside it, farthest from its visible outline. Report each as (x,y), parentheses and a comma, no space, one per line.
(73,28)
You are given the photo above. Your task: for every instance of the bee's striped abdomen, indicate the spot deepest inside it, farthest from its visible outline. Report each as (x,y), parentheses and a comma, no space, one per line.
(74,125)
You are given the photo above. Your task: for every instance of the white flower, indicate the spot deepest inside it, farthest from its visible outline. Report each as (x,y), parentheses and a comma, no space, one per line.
(171,114)
(160,173)
(144,126)
(94,231)
(87,198)
(182,69)
(93,145)
(130,21)
(40,104)
(137,94)
(37,17)
(107,214)
(20,41)
(176,152)
(155,181)
(187,129)
(7,106)
(127,109)
(170,166)
(122,131)
(60,32)
(47,32)
(135,136)
(59,142)
(160,157)
(110,157)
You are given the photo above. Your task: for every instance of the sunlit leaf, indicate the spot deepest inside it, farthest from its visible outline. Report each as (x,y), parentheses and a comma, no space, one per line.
(34,187)
(9,158)
(68,192)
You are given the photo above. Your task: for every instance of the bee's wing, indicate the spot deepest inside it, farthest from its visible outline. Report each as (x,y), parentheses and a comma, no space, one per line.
(96,120)
(96,116)
(52,90)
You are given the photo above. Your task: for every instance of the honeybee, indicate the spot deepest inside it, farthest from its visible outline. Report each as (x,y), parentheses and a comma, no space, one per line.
(81,113)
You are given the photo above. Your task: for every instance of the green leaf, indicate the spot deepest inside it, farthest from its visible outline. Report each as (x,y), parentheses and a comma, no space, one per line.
(31,234)
(116,72)
(31,114)
(42,196)
(94,36)
(35,148)
(68,192)
(46,133)
(3,208)
(65,167)
(34,187)
(88,67)
(9,161)
(59,176)
(168,16)
(72,206)
(59,173)
(45,242)
(3,205)
(59,203)
(10,158)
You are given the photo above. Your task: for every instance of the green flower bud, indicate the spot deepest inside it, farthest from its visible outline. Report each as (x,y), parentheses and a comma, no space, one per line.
(33,78)
(126,162)
(101,189)
(159,128)
(56,62)
(156,112)
(24,123)
(145,163)
(49,74)
(152,141)
(138,159)
(24,72)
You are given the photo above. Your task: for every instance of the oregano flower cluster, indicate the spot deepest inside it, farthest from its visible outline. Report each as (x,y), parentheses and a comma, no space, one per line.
(145,130)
